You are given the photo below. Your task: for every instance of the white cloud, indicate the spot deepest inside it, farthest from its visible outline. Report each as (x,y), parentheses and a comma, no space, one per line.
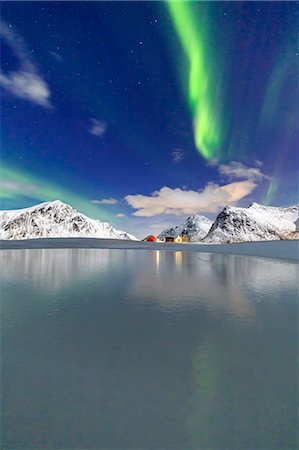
(28,86)
(177,155)
(25,82)
(105,201)
(237,170)
(120,215)
(18,187)
(181,202)
(97,128)
(213,197)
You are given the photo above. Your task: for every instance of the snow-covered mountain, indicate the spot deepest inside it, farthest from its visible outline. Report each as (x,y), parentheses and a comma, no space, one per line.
(196,227)
(54,219)
(255,223)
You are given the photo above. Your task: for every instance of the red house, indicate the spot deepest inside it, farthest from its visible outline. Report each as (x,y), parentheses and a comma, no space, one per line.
(150,238)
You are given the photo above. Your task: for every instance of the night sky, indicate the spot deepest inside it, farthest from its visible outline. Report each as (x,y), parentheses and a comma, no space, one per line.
(142,113)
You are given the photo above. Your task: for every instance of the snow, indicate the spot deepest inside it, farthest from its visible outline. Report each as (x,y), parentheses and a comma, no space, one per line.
(54,219)
(255,223)
(196,227)
(234,224)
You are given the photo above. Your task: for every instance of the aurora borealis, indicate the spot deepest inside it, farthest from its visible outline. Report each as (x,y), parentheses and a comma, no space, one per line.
(132,100)
(202,89)
(208,75)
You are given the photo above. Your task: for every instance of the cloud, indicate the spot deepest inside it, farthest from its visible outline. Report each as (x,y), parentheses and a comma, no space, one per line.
(120,215)
(13,187)
(105,201)
(25,82)
(28,86)
(177,155)
(237,170)
(97,128)
(181,202)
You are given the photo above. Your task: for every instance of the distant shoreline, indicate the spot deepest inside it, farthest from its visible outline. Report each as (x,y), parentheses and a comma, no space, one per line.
(287,250)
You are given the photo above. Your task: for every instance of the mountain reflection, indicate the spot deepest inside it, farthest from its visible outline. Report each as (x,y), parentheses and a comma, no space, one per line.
(200,348)
(56,269)
(223,280)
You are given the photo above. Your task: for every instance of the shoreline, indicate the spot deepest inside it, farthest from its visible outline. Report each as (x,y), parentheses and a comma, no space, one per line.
(287,250)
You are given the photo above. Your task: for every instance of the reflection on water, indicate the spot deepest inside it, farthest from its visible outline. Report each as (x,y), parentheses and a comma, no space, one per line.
(157,253)
(58,268)
(178,258)
(148,349)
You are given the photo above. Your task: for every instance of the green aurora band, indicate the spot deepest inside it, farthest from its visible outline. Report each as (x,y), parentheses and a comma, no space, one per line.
(271,191)
(16,184)
(202,83)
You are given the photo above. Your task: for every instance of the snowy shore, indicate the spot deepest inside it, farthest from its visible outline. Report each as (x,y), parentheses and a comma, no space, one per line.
(288,250)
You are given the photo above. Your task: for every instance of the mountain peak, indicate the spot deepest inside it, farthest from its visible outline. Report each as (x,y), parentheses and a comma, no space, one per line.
(255,223)
(53,203)
(196,227)
(57,202)
(54,219)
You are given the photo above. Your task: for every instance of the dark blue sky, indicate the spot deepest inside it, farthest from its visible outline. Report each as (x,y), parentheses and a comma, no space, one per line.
(97,105)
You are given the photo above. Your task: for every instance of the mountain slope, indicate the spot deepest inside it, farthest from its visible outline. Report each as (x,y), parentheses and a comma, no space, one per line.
(196,227)
(255,223)
(54,219)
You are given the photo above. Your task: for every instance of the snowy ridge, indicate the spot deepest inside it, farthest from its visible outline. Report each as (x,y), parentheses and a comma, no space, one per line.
(255,223)
(54,219)
(196,227)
